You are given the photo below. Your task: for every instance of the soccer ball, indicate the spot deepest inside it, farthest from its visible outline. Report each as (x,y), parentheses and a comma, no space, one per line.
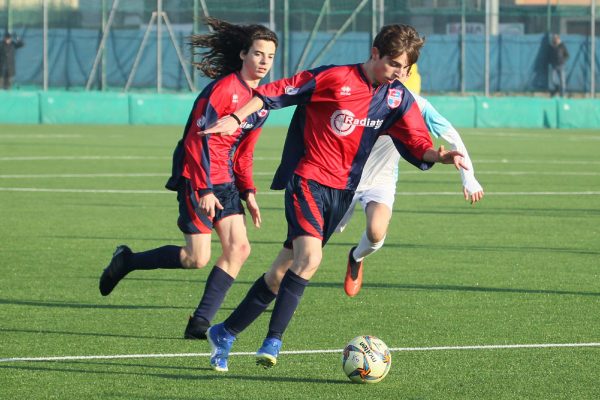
(366,359)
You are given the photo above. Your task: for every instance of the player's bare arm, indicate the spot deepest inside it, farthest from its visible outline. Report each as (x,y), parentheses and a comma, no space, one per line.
(229,124)
(253,208)
(444,156)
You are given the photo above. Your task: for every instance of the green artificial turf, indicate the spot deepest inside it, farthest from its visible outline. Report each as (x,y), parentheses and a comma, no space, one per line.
(520,268)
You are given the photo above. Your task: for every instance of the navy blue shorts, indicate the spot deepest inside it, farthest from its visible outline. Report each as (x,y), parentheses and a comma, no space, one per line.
(312,209)
(192,221)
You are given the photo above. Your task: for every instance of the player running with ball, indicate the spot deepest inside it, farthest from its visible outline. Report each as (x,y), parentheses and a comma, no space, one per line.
(341,112)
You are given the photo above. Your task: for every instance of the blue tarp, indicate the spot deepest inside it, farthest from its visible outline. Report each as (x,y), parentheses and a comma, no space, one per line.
(517,62)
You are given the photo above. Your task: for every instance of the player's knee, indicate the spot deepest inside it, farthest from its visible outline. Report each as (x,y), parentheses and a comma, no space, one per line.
(376,234)
(238,252)
(244,250)
(308,262)
(196,261)
(191,259)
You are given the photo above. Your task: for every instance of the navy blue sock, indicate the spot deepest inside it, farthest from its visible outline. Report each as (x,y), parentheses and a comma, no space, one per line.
(162,257)
(290,292)
(256,301)
(217,285)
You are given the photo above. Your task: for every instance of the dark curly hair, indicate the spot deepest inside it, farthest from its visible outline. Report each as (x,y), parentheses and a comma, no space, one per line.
(225,43)
(393,40)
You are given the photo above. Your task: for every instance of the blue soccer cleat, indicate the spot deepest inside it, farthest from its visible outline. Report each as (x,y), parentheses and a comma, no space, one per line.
(220,341)
(267,354)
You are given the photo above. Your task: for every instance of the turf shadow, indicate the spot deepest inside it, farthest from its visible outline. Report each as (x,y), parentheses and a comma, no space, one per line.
(57,304)
(375,285)
(211,377)
(491,248)
(93,334)
(457,288)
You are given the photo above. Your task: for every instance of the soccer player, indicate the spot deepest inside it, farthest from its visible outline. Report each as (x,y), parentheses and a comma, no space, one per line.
(212,173)
(341,112)
(377,189)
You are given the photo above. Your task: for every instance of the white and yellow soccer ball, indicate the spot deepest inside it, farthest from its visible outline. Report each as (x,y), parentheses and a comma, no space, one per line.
(366,359)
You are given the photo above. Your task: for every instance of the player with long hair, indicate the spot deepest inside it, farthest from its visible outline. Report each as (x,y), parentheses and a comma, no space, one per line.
(211,174)
(341,111)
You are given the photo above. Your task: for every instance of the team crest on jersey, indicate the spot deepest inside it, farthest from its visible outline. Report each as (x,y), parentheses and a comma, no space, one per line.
(201,121)
(394,97)
(234,98)
(345,91)
(291,90)
(262,113)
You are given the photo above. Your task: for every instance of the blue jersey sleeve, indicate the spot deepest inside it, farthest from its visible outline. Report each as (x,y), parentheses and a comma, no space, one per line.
(435,122)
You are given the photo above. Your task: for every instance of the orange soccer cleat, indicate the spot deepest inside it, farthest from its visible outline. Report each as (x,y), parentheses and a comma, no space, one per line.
(354,273)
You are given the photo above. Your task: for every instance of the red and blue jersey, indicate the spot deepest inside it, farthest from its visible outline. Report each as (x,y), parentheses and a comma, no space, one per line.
(214,159)
(339,116)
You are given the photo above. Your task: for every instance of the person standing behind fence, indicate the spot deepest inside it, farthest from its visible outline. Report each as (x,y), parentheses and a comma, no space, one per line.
(7,59)
(558,59)
(212,173)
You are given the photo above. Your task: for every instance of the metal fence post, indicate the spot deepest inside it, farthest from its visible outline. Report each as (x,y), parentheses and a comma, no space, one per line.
(45,44)
(103,73)
(593,51)
(195,29)
(159,46)
(463,43)
(373,19)
(100,52)
(272,27)
(487,49)
(9,19)
(286,38)
(313,33)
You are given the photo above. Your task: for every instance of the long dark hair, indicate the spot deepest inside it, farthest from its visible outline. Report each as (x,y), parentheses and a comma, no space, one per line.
(224,44)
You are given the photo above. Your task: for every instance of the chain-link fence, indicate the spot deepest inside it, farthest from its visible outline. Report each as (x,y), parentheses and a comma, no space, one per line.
(473,46)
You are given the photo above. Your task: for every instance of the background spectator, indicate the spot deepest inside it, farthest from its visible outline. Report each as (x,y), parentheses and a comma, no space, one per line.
(7,59)
(558,59)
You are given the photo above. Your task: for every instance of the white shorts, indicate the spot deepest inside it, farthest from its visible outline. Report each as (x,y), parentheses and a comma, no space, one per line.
(378,194)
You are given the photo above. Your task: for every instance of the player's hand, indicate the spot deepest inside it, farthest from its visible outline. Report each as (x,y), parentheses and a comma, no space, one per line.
(253,208)
(208,203)
(451,157)
(473,197)
(225,126)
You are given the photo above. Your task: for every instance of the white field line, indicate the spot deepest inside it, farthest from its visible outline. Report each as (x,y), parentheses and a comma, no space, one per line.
(302,352)
(100,175)
(550,135)
(39,136)
(509,173)
(98,157)
(280,192)
(163,175)
(545,162)
(78,158)
(517,136)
